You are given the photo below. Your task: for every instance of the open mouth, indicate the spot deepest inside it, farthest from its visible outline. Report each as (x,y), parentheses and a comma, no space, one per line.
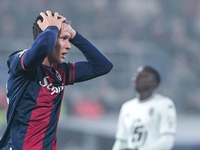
(63,54)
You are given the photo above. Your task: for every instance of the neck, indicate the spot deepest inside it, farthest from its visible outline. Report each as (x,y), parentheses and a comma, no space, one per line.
(144,95)
(46,62)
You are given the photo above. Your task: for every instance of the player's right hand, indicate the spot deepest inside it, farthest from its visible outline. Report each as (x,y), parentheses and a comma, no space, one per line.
(49,20)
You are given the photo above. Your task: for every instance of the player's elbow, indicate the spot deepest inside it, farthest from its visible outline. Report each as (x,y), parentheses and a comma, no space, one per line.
(109,67)
(166,142)
(105,68)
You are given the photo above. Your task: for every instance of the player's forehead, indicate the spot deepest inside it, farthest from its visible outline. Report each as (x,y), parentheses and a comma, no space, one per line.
(139,69)
(65,25)
(65,29)
(143,71)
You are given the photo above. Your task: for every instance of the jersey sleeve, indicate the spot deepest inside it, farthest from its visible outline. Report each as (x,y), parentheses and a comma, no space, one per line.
(166,142)
(168,117)
(96,63)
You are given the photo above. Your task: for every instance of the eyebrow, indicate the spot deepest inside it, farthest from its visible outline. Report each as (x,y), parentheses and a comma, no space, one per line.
(65,36)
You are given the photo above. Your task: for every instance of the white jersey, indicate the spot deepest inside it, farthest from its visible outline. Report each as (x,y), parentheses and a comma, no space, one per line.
(141,123)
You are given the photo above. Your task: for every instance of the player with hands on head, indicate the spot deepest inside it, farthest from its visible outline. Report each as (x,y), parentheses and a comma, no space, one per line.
(148,121)
(49,20)
(37,80)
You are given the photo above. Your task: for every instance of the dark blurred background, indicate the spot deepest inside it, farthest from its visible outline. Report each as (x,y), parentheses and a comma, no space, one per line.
(162,33)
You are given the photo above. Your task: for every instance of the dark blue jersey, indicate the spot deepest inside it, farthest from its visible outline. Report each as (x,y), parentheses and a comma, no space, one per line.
(35,91)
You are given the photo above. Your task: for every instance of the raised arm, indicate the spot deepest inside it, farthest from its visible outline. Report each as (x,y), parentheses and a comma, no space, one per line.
(96,65)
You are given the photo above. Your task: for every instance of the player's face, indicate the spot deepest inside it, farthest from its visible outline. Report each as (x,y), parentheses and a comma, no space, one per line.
(62,46)
(144,81)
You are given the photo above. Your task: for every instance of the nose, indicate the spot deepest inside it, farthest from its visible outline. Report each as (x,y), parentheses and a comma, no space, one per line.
(68,45)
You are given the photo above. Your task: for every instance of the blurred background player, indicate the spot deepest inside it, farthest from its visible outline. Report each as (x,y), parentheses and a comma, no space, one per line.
(147,122)
(37,79)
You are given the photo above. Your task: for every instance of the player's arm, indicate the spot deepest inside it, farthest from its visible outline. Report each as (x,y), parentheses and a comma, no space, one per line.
(45,42)
(166,142)
(40,48)
(96,65)
(120,145)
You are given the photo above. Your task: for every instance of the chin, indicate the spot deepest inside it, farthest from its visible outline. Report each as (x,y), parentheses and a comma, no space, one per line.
(62,61)
(58,62)
(137,89)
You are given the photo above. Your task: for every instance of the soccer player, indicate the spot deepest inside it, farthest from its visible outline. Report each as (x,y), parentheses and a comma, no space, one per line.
(37,79)
(147,122)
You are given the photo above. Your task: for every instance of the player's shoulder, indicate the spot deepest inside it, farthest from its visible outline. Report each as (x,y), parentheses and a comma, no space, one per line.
(127,106)
(129,103)
(14,58)
(19,53)
(162,100)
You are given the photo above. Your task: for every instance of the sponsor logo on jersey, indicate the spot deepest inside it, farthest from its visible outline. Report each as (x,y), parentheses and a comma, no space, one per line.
(49,86)
(58,75)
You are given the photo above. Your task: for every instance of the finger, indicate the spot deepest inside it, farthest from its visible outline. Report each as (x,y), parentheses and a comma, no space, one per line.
(39,22)
(43,15)
(49,13)
(56,14)
(62,18)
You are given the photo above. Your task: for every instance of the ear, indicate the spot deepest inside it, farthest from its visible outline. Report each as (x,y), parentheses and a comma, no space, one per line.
(155,84)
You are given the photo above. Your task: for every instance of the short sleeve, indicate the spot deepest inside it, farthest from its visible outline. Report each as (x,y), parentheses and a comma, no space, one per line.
(168,117)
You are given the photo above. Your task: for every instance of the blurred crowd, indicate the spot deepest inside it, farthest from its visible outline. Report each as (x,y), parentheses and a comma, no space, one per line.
(173,26)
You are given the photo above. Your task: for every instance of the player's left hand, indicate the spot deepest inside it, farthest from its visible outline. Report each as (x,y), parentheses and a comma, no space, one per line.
(72,32)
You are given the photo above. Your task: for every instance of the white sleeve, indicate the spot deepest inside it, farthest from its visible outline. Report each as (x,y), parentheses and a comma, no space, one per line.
(121,133)
(166,142)
(168,118)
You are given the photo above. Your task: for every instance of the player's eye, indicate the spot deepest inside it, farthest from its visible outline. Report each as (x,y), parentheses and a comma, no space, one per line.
(65,37)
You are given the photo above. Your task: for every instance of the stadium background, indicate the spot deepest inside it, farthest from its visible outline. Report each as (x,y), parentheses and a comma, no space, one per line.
(164,34)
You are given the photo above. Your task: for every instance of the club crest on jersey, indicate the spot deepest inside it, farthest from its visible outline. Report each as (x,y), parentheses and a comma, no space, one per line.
(58,75)
(151,112)
(49,86)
